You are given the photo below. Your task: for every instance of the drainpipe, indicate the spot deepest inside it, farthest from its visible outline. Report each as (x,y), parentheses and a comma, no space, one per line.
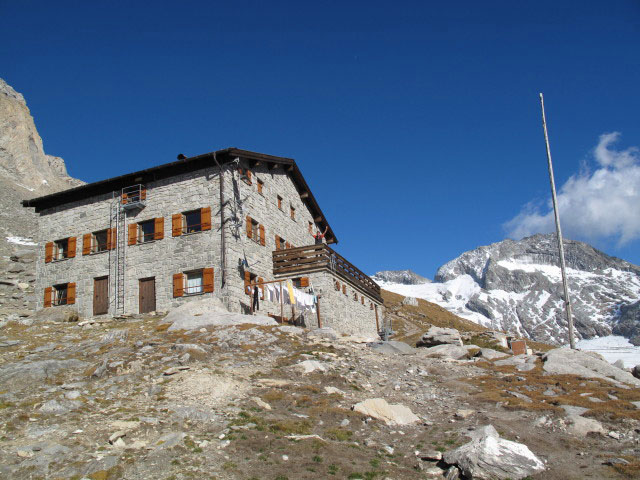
(223,247)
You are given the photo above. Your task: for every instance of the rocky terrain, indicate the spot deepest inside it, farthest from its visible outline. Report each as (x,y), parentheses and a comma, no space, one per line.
(135,399)
(25,172)
(405,277)
(516,286)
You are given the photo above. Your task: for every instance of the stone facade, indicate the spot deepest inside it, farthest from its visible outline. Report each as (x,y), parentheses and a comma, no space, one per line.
(264,197)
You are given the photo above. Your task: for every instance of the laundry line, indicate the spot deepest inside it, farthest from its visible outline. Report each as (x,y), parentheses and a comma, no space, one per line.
(289,296)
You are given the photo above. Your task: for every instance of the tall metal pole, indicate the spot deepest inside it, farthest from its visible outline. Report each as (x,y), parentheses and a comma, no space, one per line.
(567,300)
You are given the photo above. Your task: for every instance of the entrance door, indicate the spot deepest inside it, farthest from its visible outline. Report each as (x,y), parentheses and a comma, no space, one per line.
(147,299)
(100,295)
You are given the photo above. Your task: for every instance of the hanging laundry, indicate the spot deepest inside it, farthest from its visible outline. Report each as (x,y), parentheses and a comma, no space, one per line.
(292,298)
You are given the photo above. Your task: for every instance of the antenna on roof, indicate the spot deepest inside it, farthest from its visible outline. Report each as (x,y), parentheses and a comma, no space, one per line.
(181,156)
(567,300)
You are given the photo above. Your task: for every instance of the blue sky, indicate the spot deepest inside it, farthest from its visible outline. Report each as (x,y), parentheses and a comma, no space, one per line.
(416,124)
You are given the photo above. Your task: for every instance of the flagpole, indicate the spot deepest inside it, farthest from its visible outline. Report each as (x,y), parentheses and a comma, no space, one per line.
(567,300)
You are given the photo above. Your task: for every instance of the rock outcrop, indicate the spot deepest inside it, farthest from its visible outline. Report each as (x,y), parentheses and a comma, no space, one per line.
(405,277)
(440,336)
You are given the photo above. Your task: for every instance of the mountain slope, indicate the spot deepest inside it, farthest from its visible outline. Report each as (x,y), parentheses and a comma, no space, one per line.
(406,277)
(516,286)
(25,172)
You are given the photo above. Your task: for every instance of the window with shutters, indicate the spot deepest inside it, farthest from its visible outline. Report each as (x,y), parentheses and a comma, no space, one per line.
(146,231)
(255,231)
(60,294)
(193,282)
(192,221)
(245,175)
(292,212)
(61,249)
(260,186)
(99,241)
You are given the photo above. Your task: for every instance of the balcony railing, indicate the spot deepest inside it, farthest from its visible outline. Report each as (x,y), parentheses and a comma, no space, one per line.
(134,197)
(313,258)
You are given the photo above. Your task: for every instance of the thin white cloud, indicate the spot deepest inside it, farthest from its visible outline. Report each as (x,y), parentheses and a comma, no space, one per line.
(594,205)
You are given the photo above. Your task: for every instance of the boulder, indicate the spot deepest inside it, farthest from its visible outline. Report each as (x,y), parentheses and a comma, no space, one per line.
(581,426)
(619,363)
(393,347)
(636,371)
(453,352)
(487,456)
(308,366)
(390,414)
(324,332)
(440,336)
(56,314)
(207,312)
(490,354)
(413,301)
(564,361)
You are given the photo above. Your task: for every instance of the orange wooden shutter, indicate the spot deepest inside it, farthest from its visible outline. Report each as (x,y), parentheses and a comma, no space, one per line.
(158,233)
(124,198)
(277,242)
(337,286)
(111,238)
(176,224)
(143,193)
(362,300)
(262,240)
(71,293)
(304,282)
(249,229)
(71,247)
(48,293)
(48,252)
(205,218)
(249,176)
(178,285)
(207,280)
(287,245)
(86,243)
(247,281)
(344,289)
(260,280)
(133,233)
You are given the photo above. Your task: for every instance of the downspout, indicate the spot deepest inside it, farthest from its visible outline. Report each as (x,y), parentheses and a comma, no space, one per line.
(223,247)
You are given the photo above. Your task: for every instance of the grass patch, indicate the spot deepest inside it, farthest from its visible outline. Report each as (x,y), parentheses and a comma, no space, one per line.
(340,434)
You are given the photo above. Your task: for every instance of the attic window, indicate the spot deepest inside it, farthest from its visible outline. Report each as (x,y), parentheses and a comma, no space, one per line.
(279,202)
(245,175)
(260,186)
(292,212)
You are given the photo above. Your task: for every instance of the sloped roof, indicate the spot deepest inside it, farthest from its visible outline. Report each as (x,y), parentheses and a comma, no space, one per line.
(187,165)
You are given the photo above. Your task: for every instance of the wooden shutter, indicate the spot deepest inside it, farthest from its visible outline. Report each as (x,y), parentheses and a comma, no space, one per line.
(362,299)
(205,218)
(277,242)
(176,224)
(86,243)
(124,198)
(133,233)
(143,193)
(249,176)
(48,294)
(178,285)
(344,289)
(158,232)
(260,280)
(71,247)
(337,286)
(247,281)
(262,240)
(111,238)
(304,282)
(48,252)
(207,280)
(71,293)
(287,245)
(249,229)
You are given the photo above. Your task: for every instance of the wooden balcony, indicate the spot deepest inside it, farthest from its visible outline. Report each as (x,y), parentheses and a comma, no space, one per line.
(315,258)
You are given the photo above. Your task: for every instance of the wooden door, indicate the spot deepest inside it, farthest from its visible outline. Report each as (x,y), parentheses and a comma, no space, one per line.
(147,300)
(100,295)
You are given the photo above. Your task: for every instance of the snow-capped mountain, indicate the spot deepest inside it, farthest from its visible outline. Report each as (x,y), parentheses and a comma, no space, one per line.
(516,286)
(405,277)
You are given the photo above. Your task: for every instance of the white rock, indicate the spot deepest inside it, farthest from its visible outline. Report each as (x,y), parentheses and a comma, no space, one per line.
(261,403)
(331,390)
(308,366)
(488,457)
(439,336)
(581,426)
(390,414)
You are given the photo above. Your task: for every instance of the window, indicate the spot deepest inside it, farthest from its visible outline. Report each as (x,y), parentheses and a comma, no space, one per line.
(194,282)
(61,249)
(255,231)
(260,186)
(292,212)
(279,202)
(60,294)
(99,241)
(146,231)
(245,175)
(193,221)
(311,228)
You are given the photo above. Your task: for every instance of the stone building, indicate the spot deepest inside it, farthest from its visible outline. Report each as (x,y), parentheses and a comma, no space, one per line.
(214,224)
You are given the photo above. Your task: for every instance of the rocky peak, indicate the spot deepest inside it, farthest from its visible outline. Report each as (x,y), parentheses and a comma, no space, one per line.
(405,277)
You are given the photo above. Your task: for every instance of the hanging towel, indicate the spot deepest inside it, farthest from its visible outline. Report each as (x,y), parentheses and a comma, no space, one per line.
(292,298)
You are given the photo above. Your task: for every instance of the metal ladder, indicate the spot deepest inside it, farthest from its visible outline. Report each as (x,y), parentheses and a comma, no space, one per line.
(119,264)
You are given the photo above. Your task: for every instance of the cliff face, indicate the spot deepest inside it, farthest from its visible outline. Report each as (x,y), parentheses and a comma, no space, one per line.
(25,172)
